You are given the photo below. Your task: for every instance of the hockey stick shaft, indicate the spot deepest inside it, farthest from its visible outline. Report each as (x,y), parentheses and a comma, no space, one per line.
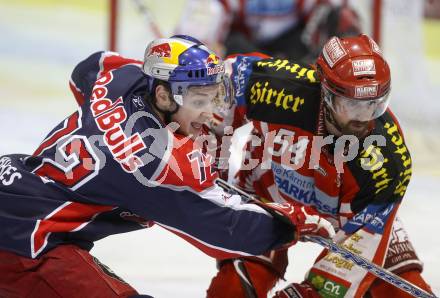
(374,269)
(145,11)
(370,267)
(228,186)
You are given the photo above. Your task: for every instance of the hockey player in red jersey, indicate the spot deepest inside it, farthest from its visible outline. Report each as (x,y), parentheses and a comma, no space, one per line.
(127,159)
(325,138)
(294,29)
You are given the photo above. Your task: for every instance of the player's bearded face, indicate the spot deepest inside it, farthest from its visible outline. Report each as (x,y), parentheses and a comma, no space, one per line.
(196,110)
(351,117)
(351,127)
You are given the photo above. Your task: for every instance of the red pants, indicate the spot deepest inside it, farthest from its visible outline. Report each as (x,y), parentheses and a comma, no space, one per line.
(66,271)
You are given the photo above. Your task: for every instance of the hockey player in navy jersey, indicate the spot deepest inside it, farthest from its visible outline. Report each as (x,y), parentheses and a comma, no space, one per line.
(127,159)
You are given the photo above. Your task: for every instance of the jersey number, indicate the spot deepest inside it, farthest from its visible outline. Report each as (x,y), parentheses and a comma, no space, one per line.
(75,161)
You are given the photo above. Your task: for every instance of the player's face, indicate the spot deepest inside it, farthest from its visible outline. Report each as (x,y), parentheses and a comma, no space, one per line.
(353,116)
(196,110)
(351,127)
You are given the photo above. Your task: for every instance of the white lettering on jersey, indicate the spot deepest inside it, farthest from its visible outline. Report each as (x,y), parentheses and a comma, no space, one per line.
(8,173)
(109,116)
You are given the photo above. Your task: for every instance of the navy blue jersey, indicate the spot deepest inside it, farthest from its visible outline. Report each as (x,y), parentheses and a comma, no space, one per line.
(113,167)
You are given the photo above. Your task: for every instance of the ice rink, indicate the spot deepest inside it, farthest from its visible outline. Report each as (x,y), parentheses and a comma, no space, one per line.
(41,43)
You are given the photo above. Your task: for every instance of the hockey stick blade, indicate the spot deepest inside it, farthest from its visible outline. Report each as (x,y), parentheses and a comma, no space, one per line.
(370,267)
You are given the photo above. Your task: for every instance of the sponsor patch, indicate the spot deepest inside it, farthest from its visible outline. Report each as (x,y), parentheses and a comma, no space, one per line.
(372,217)
(161,50)
(401,253)
(138,102)
(215,70)
(363,67)
(302,189)
(366,91)
(242,72)
(262,93)
(212,59)
(375,47)
(289,67)
(327,287)
(333,51)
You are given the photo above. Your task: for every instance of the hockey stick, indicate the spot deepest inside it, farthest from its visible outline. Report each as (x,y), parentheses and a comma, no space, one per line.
(374,269)
(145,11)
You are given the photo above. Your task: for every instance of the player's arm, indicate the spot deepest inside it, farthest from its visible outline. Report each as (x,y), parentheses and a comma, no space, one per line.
(184,198)
(86,73)
(222,226)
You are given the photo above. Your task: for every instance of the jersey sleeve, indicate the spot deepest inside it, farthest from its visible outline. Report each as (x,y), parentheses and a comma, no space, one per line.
(184,198)
(382,170)
(86,73)
(285,92)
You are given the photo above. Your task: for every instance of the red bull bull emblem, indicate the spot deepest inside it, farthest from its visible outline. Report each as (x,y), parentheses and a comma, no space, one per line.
(212,59)
(161,50)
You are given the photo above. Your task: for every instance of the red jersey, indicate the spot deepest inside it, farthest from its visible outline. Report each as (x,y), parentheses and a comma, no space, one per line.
(297,161)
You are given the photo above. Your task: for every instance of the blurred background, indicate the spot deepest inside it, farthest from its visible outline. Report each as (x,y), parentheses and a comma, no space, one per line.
(42,40)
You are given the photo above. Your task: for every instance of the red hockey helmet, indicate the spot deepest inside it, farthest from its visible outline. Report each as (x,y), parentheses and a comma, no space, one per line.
(355,78)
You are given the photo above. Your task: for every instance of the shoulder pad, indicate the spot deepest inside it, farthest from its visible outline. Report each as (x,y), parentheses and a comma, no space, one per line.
(383,171)
(284,92)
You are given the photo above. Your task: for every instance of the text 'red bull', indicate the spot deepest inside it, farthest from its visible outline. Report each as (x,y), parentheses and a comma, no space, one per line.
(108,117)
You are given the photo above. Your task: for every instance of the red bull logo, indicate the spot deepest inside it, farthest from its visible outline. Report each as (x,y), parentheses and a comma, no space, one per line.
(161,50)
(216,69)
(212,59)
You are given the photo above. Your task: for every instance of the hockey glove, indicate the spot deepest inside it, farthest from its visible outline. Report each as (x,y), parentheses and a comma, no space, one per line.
(305,219)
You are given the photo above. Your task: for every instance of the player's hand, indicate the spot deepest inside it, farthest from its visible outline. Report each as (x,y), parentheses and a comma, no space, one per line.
(303,290)
(305,220)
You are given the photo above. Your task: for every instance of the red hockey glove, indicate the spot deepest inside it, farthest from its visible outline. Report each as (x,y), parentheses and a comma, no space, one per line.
(305,219)
(294,290)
